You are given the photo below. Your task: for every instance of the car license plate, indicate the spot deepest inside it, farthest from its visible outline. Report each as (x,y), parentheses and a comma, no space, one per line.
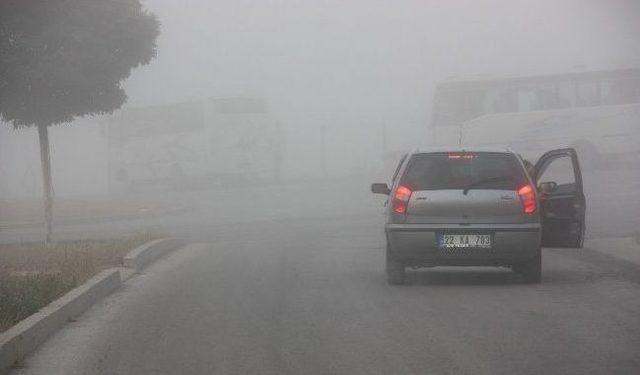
(465,240)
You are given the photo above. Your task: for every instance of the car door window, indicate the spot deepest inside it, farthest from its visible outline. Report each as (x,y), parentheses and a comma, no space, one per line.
(395,174)
(559,170)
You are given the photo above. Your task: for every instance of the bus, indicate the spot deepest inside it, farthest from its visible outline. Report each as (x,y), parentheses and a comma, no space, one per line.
(221,141)
(595,112)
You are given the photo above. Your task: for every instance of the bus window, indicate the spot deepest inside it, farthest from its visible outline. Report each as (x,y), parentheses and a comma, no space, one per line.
(460,102)
(533,97)
(527,100)
(620,91)
(536,97)
(454,107)
(587,93)
(545,97)
(506,101)
(566,92)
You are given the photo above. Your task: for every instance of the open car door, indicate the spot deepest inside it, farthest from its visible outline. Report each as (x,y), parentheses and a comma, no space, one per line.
(562,202)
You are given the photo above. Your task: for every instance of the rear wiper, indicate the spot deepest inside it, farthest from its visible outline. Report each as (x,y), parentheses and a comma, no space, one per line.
(484,181)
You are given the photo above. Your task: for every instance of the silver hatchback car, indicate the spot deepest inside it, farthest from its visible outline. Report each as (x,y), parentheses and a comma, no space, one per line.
(481,208)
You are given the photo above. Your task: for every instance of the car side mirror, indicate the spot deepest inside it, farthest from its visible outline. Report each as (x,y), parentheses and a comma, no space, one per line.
(380,188)
(547,187)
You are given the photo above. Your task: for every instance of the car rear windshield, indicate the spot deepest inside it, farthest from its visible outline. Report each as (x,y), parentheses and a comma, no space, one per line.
(481,170)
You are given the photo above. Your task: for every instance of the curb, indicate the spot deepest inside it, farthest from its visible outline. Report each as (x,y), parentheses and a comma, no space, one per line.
(22,339)
(147,253)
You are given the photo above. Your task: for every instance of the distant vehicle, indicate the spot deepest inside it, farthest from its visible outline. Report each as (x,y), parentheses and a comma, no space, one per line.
(481,207)
(597,113)
(224,141)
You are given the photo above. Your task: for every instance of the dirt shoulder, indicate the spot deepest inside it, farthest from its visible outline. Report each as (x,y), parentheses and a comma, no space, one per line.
(23,213)
(32,275)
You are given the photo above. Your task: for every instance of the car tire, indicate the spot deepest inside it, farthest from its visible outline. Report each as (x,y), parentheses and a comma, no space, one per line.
(531,271)
(394,269)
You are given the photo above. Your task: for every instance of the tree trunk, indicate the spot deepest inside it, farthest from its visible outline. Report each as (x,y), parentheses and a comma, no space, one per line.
(45,159)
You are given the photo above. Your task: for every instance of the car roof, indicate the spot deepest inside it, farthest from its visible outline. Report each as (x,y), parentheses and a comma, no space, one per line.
(426,150)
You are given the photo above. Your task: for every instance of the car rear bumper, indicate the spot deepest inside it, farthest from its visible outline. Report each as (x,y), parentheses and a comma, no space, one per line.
(417,244)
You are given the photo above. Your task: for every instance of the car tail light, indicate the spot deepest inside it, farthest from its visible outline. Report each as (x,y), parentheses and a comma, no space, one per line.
(401,199)
(528,199)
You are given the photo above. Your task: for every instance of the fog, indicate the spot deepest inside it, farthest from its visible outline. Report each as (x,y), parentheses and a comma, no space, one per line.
(346,87)
(257,204)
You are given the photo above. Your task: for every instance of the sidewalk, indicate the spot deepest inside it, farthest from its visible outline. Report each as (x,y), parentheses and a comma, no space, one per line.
(626,248)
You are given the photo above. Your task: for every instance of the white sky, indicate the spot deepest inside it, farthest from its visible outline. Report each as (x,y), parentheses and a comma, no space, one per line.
(372,55)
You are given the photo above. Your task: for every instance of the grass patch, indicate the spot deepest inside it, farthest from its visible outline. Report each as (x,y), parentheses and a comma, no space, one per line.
(32,275)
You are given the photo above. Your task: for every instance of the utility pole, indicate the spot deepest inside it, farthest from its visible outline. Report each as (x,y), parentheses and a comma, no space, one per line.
(384,137)
(323,153)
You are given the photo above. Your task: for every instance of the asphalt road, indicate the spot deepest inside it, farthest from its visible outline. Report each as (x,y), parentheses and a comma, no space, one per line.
(308,296)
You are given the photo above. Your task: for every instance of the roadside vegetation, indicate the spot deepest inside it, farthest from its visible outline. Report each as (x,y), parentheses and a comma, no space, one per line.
(32,274)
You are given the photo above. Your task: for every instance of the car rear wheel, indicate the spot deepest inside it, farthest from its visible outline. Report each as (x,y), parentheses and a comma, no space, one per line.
(394,269)
(531,270)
